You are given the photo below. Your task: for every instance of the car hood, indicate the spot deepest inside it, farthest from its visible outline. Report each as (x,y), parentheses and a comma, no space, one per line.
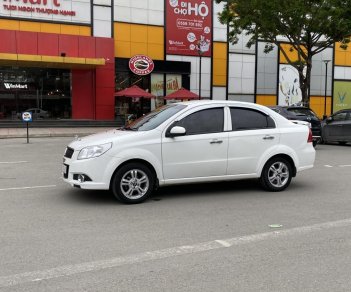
(100,138)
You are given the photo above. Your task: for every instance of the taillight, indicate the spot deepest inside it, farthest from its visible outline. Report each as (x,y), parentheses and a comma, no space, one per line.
(310,136)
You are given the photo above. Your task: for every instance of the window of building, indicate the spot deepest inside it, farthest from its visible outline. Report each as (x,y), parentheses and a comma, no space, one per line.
(43,89)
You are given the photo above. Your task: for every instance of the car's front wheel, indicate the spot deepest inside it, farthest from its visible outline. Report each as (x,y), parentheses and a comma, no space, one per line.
(133,183)
(276,175)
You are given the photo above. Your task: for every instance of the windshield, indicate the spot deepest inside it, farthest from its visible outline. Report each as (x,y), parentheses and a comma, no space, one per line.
(155,118)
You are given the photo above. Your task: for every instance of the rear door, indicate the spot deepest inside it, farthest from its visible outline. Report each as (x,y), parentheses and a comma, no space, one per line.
(253,133)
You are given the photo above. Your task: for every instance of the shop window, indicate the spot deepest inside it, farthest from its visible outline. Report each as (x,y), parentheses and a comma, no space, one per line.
(35,88)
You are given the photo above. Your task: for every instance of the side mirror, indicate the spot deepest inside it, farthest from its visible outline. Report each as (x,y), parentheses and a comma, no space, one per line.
(330,119)
(176,132)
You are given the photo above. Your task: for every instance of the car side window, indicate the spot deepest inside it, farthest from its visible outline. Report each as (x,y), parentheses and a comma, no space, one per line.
(203,122)
(340,116)
(250,119)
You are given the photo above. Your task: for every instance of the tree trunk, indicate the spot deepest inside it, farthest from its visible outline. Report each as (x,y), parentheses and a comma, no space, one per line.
(305,82)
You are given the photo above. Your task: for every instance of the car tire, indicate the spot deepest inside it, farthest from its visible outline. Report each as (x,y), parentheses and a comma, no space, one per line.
(342,142)
(276,175)
(314,143)
(133,183)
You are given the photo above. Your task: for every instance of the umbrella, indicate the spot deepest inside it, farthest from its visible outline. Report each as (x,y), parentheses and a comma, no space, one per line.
(182,94)
(134,91)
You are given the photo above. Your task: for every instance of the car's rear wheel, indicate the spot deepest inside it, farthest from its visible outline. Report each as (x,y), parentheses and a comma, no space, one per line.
(133,183)
(276,175)
(342,142)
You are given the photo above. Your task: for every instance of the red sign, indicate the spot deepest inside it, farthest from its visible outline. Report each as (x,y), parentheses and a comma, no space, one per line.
(189,27)
(141,65)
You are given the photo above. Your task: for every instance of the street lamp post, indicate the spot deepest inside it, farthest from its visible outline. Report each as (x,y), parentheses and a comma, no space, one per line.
(200,52)
(325,91)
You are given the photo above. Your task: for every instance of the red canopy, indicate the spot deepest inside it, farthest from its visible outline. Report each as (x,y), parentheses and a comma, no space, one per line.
(134,91)
(182,94)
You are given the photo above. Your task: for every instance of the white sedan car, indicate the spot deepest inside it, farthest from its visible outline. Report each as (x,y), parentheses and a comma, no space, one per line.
(191,142)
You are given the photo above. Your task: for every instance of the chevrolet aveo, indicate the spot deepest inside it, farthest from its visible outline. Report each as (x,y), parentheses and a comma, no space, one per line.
(191,142)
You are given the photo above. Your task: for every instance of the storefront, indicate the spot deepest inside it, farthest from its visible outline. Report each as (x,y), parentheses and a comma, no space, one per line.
(54,59)
(165,78)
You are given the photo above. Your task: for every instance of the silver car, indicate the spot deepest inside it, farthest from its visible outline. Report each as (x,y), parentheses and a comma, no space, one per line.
(337,127)
(37,113)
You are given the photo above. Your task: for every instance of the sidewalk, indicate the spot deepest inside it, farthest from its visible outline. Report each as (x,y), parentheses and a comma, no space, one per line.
(6,133)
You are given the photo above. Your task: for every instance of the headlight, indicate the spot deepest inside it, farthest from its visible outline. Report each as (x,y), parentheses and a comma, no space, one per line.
(94,151)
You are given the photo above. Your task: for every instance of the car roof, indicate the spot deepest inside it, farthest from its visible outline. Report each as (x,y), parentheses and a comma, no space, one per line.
(251,105)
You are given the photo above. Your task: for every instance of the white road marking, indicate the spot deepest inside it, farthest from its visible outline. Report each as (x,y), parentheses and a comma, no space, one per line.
(68,270)
(12,162)
(224,243)
(345,165)
(328,165)
(26,188)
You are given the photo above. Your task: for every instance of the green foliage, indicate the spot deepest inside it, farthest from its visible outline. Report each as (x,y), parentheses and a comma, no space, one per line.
(310,26)
(314,24)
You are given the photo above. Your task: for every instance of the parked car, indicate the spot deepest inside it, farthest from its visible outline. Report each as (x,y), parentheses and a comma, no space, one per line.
(299,113)
(191,142)
(37,113)
(337,127)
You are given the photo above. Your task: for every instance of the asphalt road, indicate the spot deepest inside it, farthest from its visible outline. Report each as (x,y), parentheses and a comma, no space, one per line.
(210,237)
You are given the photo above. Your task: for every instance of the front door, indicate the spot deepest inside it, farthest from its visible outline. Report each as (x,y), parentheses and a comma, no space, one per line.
(333,130)
(202,151)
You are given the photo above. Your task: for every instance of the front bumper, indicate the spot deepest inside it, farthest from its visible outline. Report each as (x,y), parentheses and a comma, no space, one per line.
(98,170)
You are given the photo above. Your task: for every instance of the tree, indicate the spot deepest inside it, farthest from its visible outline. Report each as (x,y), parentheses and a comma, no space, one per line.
(310,26)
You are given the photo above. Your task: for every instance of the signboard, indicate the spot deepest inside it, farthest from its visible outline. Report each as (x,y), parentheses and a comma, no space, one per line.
(342,95)
(188,27)
(9,85)
(51,10)
(27,117)
(141,65)
(289,86)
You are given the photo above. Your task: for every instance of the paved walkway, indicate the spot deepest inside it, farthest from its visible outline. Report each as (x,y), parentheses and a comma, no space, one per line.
(6,133)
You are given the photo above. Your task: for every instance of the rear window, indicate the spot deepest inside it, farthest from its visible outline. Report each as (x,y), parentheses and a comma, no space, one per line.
(249,119)
(301,111)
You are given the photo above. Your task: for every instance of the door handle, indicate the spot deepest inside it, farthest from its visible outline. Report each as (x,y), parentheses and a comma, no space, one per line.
(216,142)
(268,137)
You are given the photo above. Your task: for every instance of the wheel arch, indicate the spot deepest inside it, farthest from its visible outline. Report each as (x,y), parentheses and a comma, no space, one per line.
(286,157)
(141,161)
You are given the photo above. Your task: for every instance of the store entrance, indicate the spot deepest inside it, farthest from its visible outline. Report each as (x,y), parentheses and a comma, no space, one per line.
(43,91)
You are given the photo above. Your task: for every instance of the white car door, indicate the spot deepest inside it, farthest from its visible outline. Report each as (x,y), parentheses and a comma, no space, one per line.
(202,151)
(253,134)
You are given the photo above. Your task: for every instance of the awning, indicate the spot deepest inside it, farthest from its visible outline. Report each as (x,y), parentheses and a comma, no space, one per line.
(134,92)
(49,61)
(182,94)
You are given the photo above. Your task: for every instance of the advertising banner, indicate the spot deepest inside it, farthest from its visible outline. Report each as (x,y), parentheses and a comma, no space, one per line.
(157,84)
(173,83)
(157,89)
(342,95)
(289,86)
(189,27)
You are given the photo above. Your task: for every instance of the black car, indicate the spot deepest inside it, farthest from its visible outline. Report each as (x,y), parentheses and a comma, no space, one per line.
(337,128)
(302,114)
